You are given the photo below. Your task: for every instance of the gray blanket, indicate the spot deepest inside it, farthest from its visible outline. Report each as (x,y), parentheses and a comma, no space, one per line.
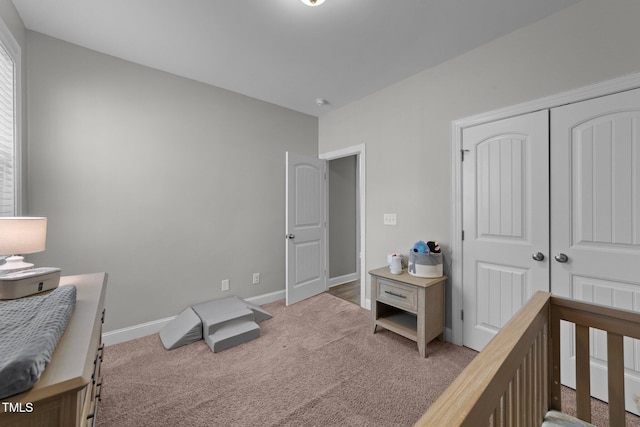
(30,329)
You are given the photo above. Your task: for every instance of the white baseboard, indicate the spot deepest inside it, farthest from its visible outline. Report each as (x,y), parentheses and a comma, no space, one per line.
(448,335)
(136,331)
(340,280)
(267,298)
(149,328)
(153,327)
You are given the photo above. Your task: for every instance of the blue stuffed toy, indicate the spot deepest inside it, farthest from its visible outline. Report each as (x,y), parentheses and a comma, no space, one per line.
(421,247)
(429,247)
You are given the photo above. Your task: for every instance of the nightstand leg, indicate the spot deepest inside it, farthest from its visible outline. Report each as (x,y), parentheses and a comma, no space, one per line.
(374,303)
(422,323)
(422,348)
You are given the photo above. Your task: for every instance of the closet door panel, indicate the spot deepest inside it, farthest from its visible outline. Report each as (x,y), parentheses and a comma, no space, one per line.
(595,219)
(505,221)
(595,190)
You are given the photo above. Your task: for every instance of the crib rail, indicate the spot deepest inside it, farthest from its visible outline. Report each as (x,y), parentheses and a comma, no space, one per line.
(516,378)
(617,324)
(505,384)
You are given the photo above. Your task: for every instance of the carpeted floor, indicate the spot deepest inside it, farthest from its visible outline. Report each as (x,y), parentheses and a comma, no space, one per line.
(317,363)
(599,410)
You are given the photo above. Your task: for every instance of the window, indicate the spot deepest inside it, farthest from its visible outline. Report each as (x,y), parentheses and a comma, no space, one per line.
(9,129)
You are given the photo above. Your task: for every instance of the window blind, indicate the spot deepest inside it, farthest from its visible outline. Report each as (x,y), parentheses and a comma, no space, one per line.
(7,135)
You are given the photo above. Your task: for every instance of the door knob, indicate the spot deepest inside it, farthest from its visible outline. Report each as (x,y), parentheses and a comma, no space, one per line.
(561,257)
(291,236)
(538,256)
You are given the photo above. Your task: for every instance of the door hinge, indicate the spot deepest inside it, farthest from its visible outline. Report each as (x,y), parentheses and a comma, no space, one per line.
(462,315)
(462,234)
(462,154)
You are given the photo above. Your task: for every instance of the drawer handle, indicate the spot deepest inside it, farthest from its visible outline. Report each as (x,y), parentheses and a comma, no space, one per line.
(96,365)
(395,294)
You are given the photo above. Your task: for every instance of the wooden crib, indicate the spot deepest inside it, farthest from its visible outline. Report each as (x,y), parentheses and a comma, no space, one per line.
(515,380)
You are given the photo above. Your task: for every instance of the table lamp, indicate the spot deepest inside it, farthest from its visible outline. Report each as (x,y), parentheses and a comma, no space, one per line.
(19,236)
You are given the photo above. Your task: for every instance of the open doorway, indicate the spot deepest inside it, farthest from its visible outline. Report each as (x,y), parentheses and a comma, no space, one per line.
(345,239)
(343,228)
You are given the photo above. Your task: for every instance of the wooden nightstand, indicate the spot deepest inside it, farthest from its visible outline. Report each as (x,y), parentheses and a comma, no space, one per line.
(407,305)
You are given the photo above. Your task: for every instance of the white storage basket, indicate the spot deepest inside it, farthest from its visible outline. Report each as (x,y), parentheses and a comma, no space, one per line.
(425,265)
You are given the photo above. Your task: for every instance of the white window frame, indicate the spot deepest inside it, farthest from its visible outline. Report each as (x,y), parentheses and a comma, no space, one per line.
(12,47)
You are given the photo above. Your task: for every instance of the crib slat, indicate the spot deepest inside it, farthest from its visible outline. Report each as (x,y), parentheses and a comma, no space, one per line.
(544,363)
(538,374)
(503,384)
(530,400)
(495,418)
(615,365)
(504,421)
(470,400)
(510,405)
(526,401)
(555,401)
(519,397)
(583,373)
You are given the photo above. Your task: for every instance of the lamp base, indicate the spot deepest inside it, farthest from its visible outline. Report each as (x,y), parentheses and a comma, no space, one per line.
(14,263)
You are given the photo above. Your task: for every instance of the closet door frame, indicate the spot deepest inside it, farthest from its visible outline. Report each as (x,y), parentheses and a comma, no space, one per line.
(608,87)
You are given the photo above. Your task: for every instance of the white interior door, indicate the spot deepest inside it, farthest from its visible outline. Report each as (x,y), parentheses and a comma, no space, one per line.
(595,226)
(505,221)
(305,224)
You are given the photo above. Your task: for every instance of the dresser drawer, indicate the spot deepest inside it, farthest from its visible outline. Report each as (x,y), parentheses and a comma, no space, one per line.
(398,295)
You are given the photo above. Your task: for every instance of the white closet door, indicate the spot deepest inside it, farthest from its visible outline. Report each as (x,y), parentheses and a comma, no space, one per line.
(505,221)
(595,221)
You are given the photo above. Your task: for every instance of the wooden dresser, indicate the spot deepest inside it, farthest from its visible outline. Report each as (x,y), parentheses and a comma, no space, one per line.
(68,391)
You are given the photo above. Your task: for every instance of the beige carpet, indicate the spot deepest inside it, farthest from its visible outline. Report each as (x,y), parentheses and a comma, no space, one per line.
(599,410)
(317,363)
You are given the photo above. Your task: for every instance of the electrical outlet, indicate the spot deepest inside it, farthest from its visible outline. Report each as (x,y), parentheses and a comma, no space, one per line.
(225,285)
(390,219)
(256,278)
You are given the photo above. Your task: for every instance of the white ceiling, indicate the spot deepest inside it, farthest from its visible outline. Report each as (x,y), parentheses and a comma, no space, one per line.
(282,51)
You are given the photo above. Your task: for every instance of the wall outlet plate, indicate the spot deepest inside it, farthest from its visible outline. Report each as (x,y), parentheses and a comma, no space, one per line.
(225,285)
(390,219)
(256,278)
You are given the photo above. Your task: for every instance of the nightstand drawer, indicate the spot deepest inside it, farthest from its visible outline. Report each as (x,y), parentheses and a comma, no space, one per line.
(398,295)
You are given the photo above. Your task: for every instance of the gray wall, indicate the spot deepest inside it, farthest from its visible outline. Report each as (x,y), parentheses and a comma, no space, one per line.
(167,184)
(407,127)
(342,216)
(162,181)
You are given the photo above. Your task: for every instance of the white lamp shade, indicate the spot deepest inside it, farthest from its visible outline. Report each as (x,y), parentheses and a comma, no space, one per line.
(22,235)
